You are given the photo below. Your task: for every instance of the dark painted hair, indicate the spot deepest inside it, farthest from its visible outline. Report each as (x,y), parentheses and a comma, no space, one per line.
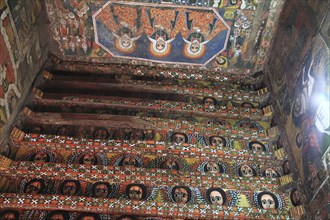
(41,181)
(283,167)
(101,129)
(294,203)
(247,103)
(35,154)
(126,216)
(221,170)
(81,159)
(208,97)
(65,214)
(84,214)
(240,172)
(257,142)
(15,212)
(121,162)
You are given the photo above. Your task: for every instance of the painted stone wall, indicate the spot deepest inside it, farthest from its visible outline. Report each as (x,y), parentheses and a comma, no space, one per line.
(298,72)
(23,51)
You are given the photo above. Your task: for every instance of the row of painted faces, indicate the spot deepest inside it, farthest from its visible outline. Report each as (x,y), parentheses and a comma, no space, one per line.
(176,137)
(210,102)
(171,163)
(64,215)
(138,192)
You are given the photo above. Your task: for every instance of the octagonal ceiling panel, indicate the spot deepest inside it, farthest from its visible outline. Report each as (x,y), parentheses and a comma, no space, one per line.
(228,34)
(160,33)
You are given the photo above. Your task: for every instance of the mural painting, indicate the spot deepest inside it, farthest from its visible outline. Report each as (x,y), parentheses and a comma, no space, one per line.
(182,37)
(310,116)
(185,155)
(9,93)
(217,36)
(21,53)
(304,106)
(295,27)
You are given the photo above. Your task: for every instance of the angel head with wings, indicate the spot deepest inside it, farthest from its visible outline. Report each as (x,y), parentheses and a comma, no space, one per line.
(195,45)
(160,43)
(125,41)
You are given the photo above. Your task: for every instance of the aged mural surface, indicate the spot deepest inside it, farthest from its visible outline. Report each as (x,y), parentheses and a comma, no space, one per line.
(23,51)
(9,93)
(171,34)
(304,105)
(215,34)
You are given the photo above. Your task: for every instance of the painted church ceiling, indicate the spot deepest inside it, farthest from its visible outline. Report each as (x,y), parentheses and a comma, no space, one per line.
(228,35)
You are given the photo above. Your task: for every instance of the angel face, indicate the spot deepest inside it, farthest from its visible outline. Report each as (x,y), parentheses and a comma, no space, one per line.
(101,191)
(160,44)
(257,147)
(267,202)
(246,171)
(125,41)
(216,198)
(180,195)
(88,217)
(221,60)
(135,193)
(88,159)
(212,167)
(8,216)
(270,173)
(57,216)
(296,197)
(34,187)
(286,167)
(217,141)
(41,157)
(130,161)
(195,46)
(179,138)
(70,188)
(208,101)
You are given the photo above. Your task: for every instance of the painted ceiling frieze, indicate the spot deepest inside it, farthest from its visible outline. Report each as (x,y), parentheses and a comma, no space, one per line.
(211,34)
(109,173)
(161,34)
(128,207)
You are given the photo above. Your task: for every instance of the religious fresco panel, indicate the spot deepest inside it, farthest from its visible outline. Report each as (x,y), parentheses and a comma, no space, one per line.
(304,106)
(9,93)
(21,52)
(173,33)
(285,57)
(308,122)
